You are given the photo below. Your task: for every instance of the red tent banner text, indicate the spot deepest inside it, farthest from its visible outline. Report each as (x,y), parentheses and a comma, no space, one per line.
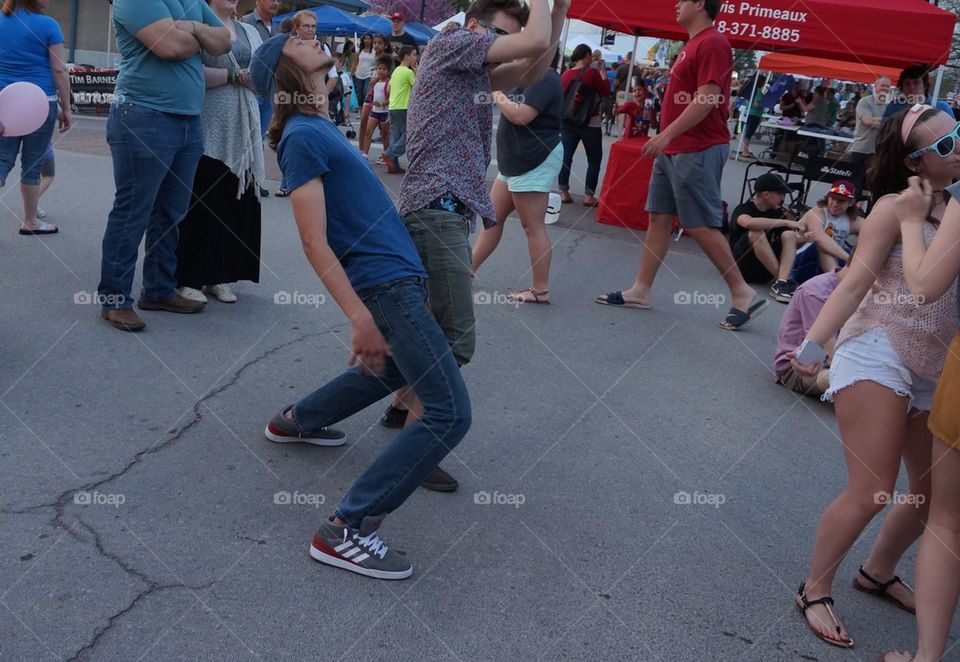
(894,33)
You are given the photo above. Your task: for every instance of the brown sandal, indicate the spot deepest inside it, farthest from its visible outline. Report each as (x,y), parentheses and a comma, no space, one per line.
(828,603)
(881,590)
(517,297)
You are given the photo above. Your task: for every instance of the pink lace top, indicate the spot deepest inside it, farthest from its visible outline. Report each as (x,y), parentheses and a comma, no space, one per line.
(919,332)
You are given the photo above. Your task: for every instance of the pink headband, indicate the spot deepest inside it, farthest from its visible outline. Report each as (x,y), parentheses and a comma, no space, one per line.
(910,120)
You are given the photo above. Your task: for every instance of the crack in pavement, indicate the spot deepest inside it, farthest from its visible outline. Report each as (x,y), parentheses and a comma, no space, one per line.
(152,588)
(59,505)
(575,244)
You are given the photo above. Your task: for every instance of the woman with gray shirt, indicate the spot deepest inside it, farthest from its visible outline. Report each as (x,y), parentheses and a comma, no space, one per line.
(220,235)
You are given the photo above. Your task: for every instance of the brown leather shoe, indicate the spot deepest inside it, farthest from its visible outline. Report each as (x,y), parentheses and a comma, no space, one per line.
(393,168)
(125,319)
(177,304)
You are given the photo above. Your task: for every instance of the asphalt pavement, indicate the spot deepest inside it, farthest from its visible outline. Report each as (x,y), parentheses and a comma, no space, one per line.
(635,485)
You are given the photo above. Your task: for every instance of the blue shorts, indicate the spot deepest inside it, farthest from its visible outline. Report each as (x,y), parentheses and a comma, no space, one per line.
(539,180)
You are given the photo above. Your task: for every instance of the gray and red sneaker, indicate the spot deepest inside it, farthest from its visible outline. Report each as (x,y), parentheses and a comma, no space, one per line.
(358,550)
(283,431)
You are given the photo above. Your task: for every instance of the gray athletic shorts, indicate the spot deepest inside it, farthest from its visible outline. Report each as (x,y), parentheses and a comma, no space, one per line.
(688,186)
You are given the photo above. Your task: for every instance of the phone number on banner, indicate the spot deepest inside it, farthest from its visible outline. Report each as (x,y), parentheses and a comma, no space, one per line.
(751,31)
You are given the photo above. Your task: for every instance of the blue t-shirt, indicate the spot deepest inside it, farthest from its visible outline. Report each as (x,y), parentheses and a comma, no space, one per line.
(363,226)
(170,86)
(25,41)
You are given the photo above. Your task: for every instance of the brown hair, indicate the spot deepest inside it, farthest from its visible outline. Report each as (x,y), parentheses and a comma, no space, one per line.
(581,52)
(485,10)
(10,6)
(712,7)
(889,172)
(291,82)
(853,212)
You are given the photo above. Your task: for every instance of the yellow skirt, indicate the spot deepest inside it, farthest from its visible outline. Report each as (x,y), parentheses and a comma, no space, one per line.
(944,419)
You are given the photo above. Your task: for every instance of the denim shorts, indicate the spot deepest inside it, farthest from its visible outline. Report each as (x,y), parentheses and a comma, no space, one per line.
(688,186)
(32,149)
(871,357)
(539,180)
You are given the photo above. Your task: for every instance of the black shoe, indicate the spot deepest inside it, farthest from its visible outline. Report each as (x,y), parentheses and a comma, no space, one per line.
(780,291)
(264,193)
(394,417)
(439,480)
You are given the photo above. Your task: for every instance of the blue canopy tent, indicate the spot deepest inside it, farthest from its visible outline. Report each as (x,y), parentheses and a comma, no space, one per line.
(380,25)
(331,21)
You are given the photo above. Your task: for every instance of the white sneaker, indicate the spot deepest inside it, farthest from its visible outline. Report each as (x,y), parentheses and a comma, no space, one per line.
(41,213)
(191,294)
(365,155)
(221,292)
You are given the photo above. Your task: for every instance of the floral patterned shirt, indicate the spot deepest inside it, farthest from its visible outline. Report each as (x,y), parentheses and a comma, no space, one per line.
(449,125)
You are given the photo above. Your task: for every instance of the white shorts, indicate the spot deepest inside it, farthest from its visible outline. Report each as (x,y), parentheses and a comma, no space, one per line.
(871,357)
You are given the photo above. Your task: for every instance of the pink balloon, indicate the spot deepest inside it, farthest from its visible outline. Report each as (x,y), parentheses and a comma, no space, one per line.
(24,108)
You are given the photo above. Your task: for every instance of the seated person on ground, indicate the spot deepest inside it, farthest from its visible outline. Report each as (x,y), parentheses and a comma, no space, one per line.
(831,223)
(804,307)
(763,239)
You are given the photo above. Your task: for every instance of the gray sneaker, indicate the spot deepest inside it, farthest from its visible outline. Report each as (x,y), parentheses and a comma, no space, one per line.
(358,550)
(282,431)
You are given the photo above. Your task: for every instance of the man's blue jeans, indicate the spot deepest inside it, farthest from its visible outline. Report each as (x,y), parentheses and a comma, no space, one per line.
(155,157)
(398,134)
(421,358)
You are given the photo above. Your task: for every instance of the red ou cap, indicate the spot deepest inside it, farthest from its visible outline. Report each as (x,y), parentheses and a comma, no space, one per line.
(397,16)
(844,189)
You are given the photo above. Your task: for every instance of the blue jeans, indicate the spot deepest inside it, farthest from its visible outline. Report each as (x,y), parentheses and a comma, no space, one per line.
(592,138)
(155,157)
(398,134)
(421,358)
(32,149)
(266,114)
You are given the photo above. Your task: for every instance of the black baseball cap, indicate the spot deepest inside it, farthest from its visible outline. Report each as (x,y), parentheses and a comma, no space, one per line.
(772,183)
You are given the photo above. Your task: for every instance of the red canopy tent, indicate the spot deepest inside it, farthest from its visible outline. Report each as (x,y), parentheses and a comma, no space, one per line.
(895,33)
(821,68)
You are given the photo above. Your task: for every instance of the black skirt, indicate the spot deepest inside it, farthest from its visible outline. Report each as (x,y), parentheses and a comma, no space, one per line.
(220,235)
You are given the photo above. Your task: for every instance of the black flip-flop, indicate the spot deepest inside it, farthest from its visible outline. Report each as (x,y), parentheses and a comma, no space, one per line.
(616,299)
(281,193)
(38,232)
(736,318)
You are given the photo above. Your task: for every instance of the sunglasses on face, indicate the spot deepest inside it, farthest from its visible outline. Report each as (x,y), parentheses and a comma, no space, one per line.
(943,146)
(490,27)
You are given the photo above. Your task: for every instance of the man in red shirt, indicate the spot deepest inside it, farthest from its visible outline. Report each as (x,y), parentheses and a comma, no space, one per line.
(691,150)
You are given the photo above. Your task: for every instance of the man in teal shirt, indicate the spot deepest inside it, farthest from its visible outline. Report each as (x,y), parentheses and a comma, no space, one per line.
(156,141)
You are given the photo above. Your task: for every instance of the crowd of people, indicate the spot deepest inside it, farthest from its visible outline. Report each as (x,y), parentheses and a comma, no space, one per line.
(875,332)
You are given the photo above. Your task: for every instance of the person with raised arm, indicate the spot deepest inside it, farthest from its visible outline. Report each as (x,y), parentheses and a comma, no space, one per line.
(889,354)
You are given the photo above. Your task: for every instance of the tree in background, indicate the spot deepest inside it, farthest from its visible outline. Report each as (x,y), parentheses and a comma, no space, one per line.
(434,11)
